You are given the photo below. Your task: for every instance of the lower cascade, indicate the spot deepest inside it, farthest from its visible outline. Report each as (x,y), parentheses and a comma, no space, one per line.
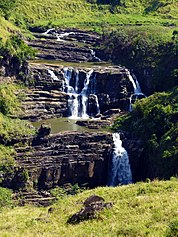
(119,169)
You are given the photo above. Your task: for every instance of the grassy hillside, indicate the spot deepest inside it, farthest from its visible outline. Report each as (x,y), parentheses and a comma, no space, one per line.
(7,28)
(82,13)
(148,209)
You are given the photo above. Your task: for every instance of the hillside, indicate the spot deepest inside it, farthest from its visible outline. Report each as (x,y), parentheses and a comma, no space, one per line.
(91,14)
(87,68)
(7,28)
(148,209)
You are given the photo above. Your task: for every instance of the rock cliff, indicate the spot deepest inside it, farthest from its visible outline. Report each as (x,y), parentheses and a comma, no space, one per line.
(69,157)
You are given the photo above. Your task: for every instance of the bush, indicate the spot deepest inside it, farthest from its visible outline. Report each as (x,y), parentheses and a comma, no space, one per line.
(173,229)
(9,103)
(18,48)
(154,121)
(5,197)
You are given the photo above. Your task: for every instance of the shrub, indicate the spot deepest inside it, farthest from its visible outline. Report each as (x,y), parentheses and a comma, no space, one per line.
(5,197)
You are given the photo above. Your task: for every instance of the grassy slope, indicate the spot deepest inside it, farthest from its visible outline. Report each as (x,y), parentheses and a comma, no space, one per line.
(139,210)
(6,28)
(79,13)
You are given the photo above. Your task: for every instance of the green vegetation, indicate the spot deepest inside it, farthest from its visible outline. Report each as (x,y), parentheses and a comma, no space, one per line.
(144,49)
(9,103)
(5,198)
(15,47)
(91,14)
(10,129)
(142,209)
(6,29)
(154,120)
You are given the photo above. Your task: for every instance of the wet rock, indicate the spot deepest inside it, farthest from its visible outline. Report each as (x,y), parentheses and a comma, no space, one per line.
(67,47)
(47,96)
(44,130)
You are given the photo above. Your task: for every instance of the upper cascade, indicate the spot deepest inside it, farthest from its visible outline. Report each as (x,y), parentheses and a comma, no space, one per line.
(79,92)
(70,45)
(119,171)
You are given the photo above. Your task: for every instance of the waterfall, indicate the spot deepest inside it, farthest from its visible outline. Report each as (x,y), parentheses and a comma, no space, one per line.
(120,172)
(53,76)
(58,36)
(78,101)
(137,89)
(94,55)
(48,31)
(62,35)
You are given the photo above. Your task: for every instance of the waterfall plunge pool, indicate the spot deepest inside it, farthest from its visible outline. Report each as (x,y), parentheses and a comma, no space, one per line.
(65,124)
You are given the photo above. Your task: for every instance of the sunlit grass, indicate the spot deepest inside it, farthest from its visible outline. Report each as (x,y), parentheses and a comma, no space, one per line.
(143,209)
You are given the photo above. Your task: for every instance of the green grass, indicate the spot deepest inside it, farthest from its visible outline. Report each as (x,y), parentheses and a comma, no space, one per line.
(140,210)
(80,13)
(10,106)
(6,29)
(84,15)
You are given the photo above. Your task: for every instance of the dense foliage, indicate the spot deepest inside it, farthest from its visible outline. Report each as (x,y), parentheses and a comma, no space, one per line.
(154,121)
(6,7)
(15,47)
(5,197)
(143,49)
(10,129)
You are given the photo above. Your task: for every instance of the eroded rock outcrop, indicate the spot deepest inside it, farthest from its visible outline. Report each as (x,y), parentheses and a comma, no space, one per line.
(92,206)
(69,157)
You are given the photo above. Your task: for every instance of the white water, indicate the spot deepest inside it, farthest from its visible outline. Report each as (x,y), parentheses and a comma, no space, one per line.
(53,76)
(94,56)
(77,101)
(58,36)
(62,35)
(120,172)
(48,31)
(136,86)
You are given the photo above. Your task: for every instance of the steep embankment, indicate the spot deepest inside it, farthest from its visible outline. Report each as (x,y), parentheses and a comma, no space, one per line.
(148,209)
(7,29)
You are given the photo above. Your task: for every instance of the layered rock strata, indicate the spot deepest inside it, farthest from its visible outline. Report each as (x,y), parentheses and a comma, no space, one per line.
(65,45)
(69,157)
(47,98)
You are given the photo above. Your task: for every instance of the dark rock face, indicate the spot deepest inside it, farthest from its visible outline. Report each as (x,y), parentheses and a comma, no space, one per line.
(136,153)
(69,157)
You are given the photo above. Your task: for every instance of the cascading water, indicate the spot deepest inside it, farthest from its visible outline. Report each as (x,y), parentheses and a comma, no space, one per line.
(94,56)
(48,31)
(62,35)
(78,98)
(119,170)
(53,76)
(137,89)
(59,36)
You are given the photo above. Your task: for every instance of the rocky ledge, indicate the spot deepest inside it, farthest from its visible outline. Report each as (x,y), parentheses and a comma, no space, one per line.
(70,45)
(69,157)
(47,97)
